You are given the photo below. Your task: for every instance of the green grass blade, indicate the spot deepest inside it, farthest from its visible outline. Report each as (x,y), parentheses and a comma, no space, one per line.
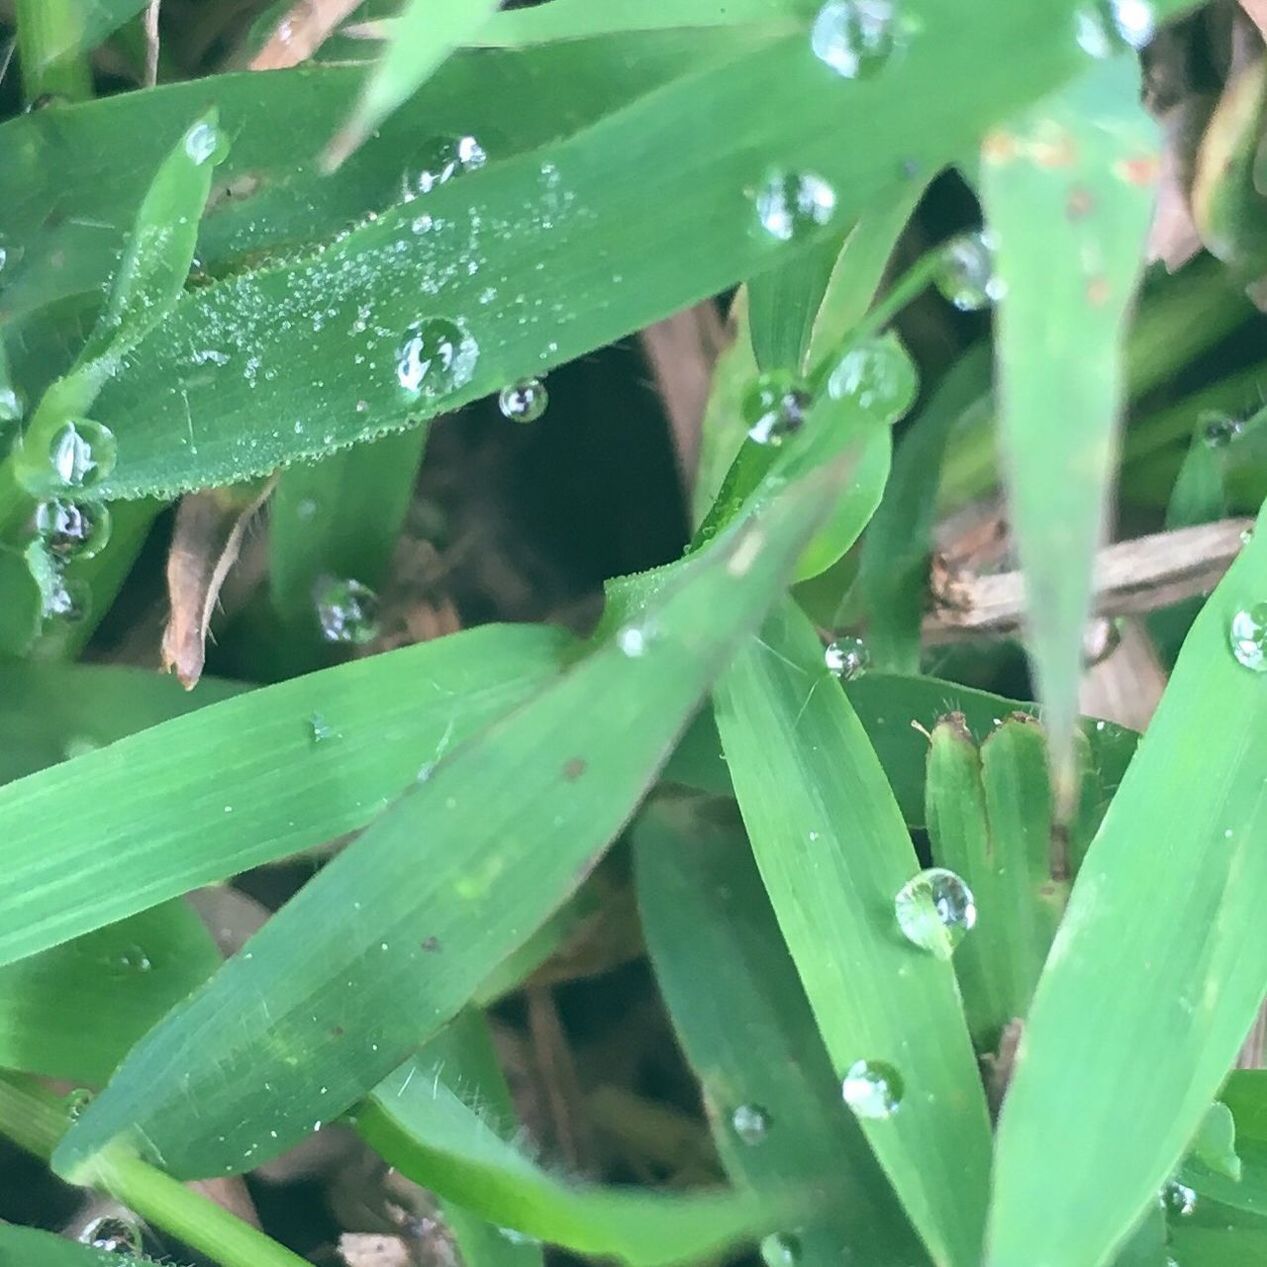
(73,1011)
(285,788)
(29,1247)
(833,852)
(783,302)
(1171,894)
(432,1120)
(396,934)
(1068,192)
(85,25)
(746,1027)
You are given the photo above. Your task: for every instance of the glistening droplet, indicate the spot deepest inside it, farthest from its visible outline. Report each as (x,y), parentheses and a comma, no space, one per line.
(1106,27)
(1178,1199)
(72,529)
(751,1123)
(966,275)
(436,358)
(934,910)
(781,1249)
(792,205)
(81,453)
(347,611)
(1248,636)
(879,375)
(846,658)
(113,1234)
(524,401)
(1219,430)
(872,1088)
(855,37)
(774,407)
(442,159)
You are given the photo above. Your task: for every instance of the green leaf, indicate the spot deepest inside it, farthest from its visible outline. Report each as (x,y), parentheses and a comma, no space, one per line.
(32,1248)
(783,302)
(84,25)
(398,931)
(1171,894)
(430,1120)
(73,1011)
(746,1027)
(833,851)
(287,789)
(1068,192)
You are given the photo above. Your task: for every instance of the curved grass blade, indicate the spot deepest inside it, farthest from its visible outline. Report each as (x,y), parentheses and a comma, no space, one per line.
(1170,893)
(833,851)
(434,1120)
(247,781)
(1068,192)
(742,1018)
(783,302)
(73,1011)
(84,24)
(30,1247)
(396,934)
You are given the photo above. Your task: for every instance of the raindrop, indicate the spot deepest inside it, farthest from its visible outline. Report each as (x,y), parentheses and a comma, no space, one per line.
(1219,430)
(632,641)
(72,529)
(445,157)
(855,37)
(134,959)
(113,1234)
(82,453)
(774,408)
(1107,27)
(780,1249)
(1177,1198)
(1248,636)
(792,204)
(1247,535)
(76,1102)
(872,1088)
(10,405)
(965,274)
(934,910)
(751,1123)
(436,358)
(65,600)
(847,658)
(347,611)
(319,730)
(202,141)
(879,375)
(524,401)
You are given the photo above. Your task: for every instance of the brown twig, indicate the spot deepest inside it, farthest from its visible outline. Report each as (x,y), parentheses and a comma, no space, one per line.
(151,42)
(306,25)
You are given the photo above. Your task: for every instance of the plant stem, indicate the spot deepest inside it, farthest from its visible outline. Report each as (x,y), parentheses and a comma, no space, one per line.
(34,1119)
(48,47)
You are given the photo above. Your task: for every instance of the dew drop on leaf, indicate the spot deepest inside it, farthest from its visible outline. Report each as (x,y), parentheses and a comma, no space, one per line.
(934,910)
(781,1249)
(202,141)
(774,407)
(966,274)
(1178,1199)
(846,658)
(879,375)
(872,1089)
(347,611)
(319,730)
(114,1235)
(443,158)
(1107,27)
(751,1123)
(76,1102)
(1219,430)
(72,529)
(134,959)
(855,37)
(81,454)
(436,358)
(10,405)
(1248,636)
(793,204)
(524,401)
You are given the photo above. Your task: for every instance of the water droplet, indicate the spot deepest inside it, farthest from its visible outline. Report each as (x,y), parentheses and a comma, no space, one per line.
(319,730)
(444,158)
(880,375)
(436,358)
(515,1237)
(10,405)
(113,1234)
(872,1088)
(76,1102)
(1100,639)
(1219,430)
(751,1123)
(780,1249)
(134,959)
(934,910)
(64,599)
(1247,535)
(347,611)
(524,401)
(82,453)
(965,275)
(1178,1199)
(855,37)
(774,407)
(1248,636)
(633,641)
(202,141)
(72,529)
(792,204)
(846,658)
(1107,27)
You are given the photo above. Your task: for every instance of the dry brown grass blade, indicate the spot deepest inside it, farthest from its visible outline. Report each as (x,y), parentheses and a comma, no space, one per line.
(1256,11)
(1126,686)
(302,30)
(151,42)
(209,530)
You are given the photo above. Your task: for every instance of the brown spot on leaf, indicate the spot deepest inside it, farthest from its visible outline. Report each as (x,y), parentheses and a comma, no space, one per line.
(574,769)
(1081,202)
(430,944)
(1057,151)
(337,1031)
(1143,170)
(998,147)
(1098,292)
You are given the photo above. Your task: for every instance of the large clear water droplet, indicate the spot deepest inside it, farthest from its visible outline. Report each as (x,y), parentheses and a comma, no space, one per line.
(76,1102)
(1178,1199)
(1107,27)
(846,658)
(113,1234)
(319,730)
(966,275)
(872,1088)
(934,910)
(879,375)
(347,611)
(1219,430)
(436,359)
(202,141)
(82,453)
(442,159)
(793,204)
(781,1249)
(72,529)
(855,37)
(524,401)
(1248,636)
(751,1123)
(774,407)
(66,600)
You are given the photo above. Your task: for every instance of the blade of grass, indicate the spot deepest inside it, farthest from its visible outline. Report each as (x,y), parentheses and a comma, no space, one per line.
(51,49)
(1068,192)
(783,302)
(833,851)
(746,1027)
(29,1247)
(1170,893)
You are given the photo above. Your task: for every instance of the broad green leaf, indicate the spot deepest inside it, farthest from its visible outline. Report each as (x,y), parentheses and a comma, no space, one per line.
(73,1011)
(575,19)
(746,1027)
(1170,894)
(246,781)
(1068,193)
(399,930)
(614,239)
(431,1121)
(29,1247)
(833,851)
